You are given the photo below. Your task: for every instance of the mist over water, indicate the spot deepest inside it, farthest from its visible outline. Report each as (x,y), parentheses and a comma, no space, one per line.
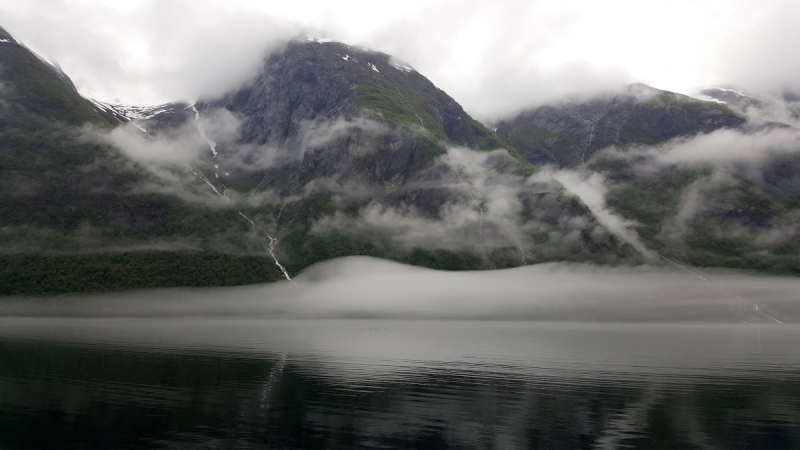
(362,287)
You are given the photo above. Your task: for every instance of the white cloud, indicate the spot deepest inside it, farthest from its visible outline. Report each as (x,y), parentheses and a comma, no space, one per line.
(493,57)
(721,147)
(591,189)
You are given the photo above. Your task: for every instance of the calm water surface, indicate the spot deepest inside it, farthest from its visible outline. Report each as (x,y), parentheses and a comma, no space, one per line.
(236,383)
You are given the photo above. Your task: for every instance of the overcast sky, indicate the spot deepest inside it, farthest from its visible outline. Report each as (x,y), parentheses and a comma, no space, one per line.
(493,57)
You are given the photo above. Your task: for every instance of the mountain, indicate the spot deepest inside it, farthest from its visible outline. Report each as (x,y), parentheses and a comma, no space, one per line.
(367,156)
(707,183)
(311,79)
(567,134)
(332,150)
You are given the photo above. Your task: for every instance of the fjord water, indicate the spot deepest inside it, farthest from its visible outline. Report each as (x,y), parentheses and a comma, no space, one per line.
(193,374)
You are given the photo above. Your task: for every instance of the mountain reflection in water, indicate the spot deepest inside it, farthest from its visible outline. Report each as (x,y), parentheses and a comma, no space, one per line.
(335,383)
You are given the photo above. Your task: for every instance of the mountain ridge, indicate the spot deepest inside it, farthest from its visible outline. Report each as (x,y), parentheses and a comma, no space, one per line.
(567,134)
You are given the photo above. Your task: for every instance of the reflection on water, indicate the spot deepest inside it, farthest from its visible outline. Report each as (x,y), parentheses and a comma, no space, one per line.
(214,383)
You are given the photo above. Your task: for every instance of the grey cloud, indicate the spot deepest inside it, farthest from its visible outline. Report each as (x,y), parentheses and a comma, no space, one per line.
(152,51)
(724,146)
(507,74)
(759,51)
(493,58)
(484,210)
(483,213)
(311,135)
(591,189)
(178,146)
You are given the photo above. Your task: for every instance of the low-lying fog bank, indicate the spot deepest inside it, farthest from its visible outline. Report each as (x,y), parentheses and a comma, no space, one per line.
(366,287)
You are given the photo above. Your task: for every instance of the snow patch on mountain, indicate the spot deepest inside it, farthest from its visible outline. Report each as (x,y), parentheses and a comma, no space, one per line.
(127,113)
(400,65)
(131,112)
(319,40)
(707,98)
(740,93)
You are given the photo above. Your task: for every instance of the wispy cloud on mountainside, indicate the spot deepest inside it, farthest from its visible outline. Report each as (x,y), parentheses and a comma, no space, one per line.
(721,147)
(592,190)
(487,208)
(475,200)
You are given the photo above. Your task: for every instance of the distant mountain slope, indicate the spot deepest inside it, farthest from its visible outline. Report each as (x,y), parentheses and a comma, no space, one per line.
(567,134)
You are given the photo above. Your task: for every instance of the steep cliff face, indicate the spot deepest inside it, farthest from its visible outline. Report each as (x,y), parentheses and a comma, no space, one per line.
(568,134)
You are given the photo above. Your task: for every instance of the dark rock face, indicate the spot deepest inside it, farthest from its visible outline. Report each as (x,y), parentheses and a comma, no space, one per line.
(568,134)
(303,82)
(343,112)
(311,80)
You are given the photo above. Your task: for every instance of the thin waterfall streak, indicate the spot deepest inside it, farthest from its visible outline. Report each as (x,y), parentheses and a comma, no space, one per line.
(280,211)
(272,241)
(519,245)
(591,139)
(758,310)
(207,181)
(211,144)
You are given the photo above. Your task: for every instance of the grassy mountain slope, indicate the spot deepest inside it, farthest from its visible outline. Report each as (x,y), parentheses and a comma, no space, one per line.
(30,83)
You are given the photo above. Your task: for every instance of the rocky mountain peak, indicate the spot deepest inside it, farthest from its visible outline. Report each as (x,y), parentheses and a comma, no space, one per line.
(316,80)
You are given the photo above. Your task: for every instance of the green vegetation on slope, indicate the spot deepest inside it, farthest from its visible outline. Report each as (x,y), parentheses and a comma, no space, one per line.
(37,274)
(400,108)
(733,222)
(33,85)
